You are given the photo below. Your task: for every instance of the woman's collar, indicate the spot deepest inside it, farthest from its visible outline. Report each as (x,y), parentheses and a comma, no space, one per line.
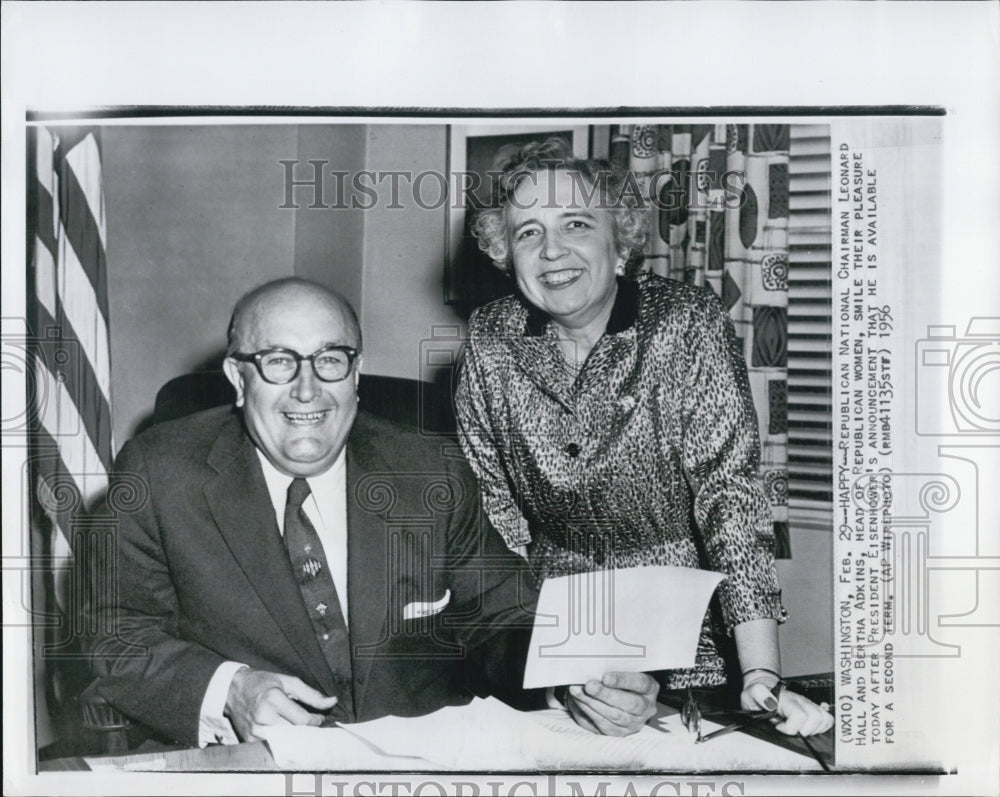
(623,313)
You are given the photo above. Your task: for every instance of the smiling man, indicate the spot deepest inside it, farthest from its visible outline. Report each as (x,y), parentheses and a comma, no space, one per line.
(298,417)
(296,560)
(293,560)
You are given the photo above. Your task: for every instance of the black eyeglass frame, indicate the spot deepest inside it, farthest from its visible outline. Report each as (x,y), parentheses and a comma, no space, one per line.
(257,356)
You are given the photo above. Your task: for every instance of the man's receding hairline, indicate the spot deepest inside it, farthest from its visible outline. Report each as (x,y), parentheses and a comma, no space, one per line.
(248,307)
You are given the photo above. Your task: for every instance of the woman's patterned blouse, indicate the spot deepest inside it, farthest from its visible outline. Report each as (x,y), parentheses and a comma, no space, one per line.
(648,455)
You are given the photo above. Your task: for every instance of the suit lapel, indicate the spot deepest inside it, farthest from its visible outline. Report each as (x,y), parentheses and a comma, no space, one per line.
(368,576)
(238,499)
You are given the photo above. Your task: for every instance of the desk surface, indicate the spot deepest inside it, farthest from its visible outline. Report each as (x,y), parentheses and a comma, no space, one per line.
(735,752)
(250,757)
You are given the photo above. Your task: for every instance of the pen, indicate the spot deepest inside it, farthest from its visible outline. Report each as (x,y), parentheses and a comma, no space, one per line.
(738,726)
(815,752)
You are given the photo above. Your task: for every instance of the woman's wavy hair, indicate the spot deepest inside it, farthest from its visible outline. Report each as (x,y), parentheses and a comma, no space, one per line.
(513,163)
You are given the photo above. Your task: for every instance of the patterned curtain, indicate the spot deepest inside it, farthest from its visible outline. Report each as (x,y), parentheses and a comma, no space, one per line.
(721,219)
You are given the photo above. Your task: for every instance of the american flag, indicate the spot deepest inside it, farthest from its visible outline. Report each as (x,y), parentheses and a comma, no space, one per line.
(68,359)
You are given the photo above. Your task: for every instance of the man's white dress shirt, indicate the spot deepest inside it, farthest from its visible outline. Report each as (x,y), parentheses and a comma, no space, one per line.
(326,508)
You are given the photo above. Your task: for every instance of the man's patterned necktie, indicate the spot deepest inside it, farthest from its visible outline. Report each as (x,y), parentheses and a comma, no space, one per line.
(305,551)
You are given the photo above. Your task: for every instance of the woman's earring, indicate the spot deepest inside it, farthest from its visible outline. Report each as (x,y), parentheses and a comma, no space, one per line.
(620,269)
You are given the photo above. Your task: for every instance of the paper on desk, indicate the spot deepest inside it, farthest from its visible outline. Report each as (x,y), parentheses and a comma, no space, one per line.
(635,619)
(568,746)
(488,736)
(485,735)
(305,747)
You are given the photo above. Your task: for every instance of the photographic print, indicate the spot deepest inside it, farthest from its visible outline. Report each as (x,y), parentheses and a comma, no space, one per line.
(309,408)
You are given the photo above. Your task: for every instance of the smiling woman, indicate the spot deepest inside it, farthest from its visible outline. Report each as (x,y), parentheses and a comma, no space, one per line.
(565,258)
(609,419)
(567,235)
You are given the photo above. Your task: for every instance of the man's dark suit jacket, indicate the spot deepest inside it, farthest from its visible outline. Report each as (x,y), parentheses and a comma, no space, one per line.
(203,577)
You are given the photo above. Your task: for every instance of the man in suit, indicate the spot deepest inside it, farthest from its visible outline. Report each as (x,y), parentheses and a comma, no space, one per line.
(295,559)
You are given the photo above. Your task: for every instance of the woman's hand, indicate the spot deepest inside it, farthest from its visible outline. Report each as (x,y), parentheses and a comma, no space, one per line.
(798,714)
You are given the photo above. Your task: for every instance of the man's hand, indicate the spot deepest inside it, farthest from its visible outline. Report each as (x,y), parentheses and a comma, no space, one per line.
(258,698)
(617,705)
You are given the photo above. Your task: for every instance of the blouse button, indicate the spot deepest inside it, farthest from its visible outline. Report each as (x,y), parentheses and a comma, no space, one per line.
(573,450)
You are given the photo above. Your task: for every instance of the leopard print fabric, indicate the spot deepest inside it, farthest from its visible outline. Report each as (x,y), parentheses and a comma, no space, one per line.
(648,455)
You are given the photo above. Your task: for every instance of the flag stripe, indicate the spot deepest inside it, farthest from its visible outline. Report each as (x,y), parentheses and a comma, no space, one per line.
(46,234)
(45,282)
(77,300)
(80,384)
(61,420)
(56,490)
(46,190)
(85,160)
(83,234)
(50,470)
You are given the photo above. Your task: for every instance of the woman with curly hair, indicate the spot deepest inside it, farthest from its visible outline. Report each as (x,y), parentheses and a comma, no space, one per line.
(608,417)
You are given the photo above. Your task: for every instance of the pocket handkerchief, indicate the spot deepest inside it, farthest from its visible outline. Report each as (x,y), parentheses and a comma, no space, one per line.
(417,609)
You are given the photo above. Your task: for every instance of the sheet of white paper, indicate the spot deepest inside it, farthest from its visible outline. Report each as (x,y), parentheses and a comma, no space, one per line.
(487,735)
(483,734)
(635,619)
(304,747)
(566,745)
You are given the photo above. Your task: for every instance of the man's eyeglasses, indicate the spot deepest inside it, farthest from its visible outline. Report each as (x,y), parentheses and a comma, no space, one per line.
(281,366)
